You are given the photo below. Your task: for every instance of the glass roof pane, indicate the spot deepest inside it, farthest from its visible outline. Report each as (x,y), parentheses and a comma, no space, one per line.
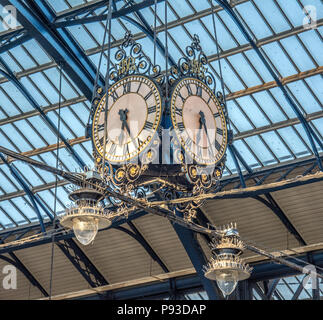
(258,147)
(237,117)
(273,15)
(279,59)
(276,145)
(313,44)
(304,97)
(294,142)
(254,21)
(297,53)
(246,154)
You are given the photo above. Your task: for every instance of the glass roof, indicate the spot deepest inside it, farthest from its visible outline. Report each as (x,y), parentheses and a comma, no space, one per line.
(266,128)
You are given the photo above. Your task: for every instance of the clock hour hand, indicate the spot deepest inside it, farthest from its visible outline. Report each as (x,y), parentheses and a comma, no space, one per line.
(198,136)
(202,120)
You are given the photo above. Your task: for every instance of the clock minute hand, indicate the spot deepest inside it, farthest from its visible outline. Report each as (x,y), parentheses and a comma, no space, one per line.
(205,128)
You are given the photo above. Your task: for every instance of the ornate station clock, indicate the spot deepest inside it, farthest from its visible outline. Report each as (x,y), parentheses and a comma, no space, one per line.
(134,111)
(199,121)
(150,140)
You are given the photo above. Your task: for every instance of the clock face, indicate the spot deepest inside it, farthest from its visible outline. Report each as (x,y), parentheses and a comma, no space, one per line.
(133,114)
(198,121)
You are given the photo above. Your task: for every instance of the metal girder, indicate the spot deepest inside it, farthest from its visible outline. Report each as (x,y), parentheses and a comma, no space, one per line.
(269,201)
(195,253)
(309,131)
(67,235)
(26,189)
(299,289)
(60,46)
(82,263)
(20,266)
(143,242)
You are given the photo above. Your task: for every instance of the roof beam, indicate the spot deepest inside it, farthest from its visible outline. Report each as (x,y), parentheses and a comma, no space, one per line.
(73,60)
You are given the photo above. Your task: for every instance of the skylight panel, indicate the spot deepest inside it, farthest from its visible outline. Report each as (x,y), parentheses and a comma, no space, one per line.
(294,142)
(273,15)
(97,30)
(318,6)
(75,125)
(6,104)
(297,53)
(13,212)
(58,5)
(82,112)
(318,123)
(279,59)
(313,44)
(32,135)
(67,91)
(246,154)
(200,5)
(233,27)
(10,62)
(82,37)
(4,220)
(293,11)
(22,57)
(254,21)
(37,52)
(225,40)
(237,117)
(279,96)
(45,87)
(277,146)
(16,137)
(50,200)
(229,76)
(5,142)
(244,69)
(269,106)
(84,155)
(181,7)
(35,92)
(7,185)
(42,127)
(15,95)
(260,150)
(64,130)
(27,210)
(316,84)
(301,131)
(74,3)
(253,112)
(304,97)
(259,65)
(230,163)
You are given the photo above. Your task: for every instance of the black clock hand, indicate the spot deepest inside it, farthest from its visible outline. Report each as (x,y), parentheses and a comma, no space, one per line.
(198,136)
(205,128)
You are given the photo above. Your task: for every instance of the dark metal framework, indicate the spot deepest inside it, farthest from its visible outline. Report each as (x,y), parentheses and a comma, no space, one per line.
(39,21)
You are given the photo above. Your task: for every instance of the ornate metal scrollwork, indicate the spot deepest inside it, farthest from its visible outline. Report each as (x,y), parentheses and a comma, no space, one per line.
(193,64)
(130,59)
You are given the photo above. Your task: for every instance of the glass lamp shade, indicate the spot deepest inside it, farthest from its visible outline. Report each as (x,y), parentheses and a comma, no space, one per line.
(227,281)
(85,229)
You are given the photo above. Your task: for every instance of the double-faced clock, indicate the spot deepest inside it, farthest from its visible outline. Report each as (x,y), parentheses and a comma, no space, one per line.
(133,114)
(199,121)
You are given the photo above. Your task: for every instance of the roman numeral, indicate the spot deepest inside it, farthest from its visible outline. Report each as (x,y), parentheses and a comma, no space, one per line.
(140,83)
(181,126)
(179,111)
(219,131)
(114,96)
(152,109)
(217,145)
(100,127)
(188,142)
(148,125)
(126,149)
(126,87)
(189,90)
(198,91)
(113,148)
(101,141)
(183,99)
(216,115)
(148,95)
